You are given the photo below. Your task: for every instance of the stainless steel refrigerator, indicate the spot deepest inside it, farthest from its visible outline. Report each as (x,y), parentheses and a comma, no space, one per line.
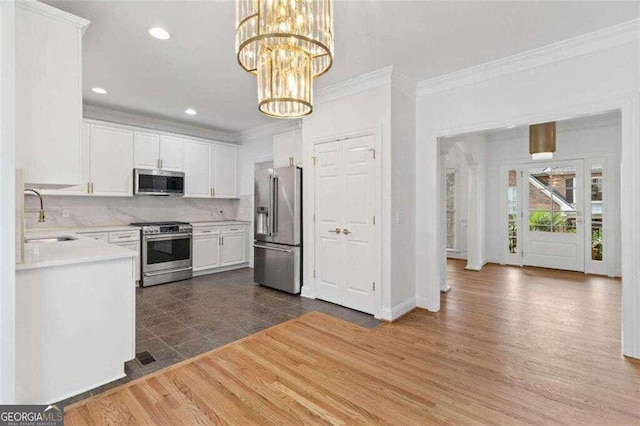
(277,247)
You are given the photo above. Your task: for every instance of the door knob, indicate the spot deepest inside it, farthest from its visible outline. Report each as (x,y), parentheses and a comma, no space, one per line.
(345,231)
(337,230)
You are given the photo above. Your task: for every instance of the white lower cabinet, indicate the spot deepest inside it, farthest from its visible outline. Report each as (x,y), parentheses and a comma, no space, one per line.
(206,252)
(135,247)
(129,239)
(233,249)
(219,246)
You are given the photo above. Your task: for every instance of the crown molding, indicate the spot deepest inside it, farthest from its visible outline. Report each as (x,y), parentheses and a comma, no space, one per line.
(384,76)
(403,83)
(354,85)
(581,45)
(51,12)
(271,128)
(137,120)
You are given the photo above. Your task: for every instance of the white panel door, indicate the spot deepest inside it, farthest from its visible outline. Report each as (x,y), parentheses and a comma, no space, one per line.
(357,291)
(146,150)
(171,153)
(553,231)
(224,163)
(206,252)
(111,160)
(233,249)
(329,205)
(344,223)
(197,169)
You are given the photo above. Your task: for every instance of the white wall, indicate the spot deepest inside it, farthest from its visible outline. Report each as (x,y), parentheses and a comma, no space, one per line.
(584,138)
(7,204)
(590,74)
(369,104)
(363,111)
(403,183)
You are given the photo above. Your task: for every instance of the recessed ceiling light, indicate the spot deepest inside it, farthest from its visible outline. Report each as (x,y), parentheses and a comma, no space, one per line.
(159,33)
(191,111)
(99,90)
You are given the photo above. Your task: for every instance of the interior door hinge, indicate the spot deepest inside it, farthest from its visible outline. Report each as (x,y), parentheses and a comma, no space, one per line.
(374,220)
(314,217)
(314,273)
(374,286)
(314,160)
(374,152)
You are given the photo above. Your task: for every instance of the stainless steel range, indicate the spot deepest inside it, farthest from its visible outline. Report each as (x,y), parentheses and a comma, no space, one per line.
(167,249)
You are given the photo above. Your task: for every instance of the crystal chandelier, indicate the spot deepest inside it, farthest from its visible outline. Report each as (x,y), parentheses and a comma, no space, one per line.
(286,43)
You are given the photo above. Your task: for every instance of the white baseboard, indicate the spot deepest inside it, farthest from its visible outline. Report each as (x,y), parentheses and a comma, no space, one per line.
(306,292)
(424,303)
(392,314)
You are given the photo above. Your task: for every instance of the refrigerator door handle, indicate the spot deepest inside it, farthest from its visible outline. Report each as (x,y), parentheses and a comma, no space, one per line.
(273,248)
(274,206)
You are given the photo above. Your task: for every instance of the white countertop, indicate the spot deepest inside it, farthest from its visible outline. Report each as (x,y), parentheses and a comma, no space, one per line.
(220,223)
(82,249)
(88,229)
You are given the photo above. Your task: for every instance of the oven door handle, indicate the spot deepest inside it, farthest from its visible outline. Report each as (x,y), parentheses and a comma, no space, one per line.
(167,237)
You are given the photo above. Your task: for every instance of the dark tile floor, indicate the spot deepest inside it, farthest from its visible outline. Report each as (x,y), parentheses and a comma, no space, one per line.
(180,320)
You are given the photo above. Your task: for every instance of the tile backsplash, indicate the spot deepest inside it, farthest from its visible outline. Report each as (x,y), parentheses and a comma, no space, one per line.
(70,212)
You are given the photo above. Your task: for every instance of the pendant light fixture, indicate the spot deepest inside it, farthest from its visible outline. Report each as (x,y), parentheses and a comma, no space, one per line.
(542,141)
(286,43)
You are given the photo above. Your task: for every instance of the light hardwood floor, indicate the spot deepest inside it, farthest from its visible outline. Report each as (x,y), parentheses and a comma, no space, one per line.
(510,345)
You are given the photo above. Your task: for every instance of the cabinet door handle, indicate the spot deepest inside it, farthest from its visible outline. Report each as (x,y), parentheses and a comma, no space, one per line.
(345,231)
(337,230)
(213,192)
(88,187)
(161,163)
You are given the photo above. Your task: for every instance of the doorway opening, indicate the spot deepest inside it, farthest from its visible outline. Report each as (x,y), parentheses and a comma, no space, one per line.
(503,207)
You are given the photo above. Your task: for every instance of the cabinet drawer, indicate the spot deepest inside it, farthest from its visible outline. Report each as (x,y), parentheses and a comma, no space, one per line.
(215,230)
(100,236)
(122,236)
(234,229)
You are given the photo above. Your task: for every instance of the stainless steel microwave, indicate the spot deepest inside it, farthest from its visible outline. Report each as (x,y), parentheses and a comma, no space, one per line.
(157,182)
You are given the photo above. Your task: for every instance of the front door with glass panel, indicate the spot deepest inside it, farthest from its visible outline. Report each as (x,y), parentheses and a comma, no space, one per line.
(553,222)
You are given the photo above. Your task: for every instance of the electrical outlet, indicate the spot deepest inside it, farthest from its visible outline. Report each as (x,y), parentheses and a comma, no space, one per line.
(399,217)
(65,213)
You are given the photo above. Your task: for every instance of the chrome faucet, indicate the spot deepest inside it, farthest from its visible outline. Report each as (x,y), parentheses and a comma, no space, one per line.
(33,191)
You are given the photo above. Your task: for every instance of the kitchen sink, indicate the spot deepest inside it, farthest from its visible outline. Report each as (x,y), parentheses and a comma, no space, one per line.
(50,239)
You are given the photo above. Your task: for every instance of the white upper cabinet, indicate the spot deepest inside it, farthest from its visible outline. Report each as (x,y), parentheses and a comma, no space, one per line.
(171,153)
(287,149)
(146,150)
(48,94)
(224,161)
(197,169)
(156,151)
(111,161)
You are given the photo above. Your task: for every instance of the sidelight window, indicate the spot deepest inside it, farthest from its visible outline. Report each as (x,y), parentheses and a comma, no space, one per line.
(597,241)
(512,222)
(451,209)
